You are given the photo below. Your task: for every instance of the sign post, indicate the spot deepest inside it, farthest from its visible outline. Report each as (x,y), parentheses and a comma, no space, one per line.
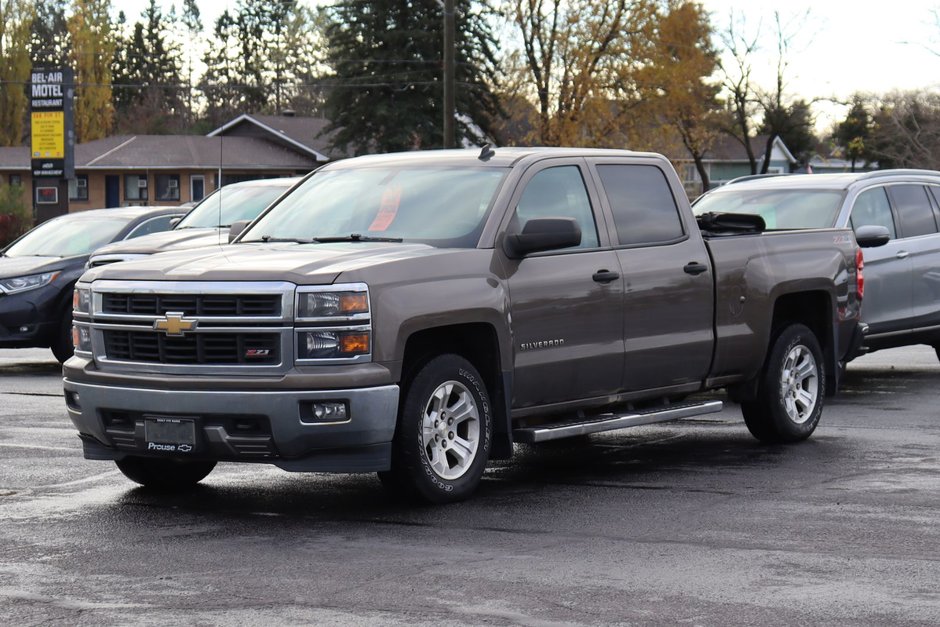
(52,134)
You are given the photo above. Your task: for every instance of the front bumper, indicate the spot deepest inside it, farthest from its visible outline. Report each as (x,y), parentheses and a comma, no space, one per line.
(29,318)
(252,426)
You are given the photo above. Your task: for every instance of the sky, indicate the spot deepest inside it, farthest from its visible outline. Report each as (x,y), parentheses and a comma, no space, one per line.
(838,46)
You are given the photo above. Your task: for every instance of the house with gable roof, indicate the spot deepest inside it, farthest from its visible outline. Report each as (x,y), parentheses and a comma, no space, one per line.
(171,169)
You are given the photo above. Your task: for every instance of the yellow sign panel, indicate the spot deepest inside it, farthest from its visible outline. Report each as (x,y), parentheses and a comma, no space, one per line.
(48,134)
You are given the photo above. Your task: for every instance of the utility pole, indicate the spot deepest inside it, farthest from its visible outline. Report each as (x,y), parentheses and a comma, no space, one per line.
(449,79)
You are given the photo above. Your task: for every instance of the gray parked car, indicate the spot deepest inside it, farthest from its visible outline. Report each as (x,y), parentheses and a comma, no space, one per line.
(902,278)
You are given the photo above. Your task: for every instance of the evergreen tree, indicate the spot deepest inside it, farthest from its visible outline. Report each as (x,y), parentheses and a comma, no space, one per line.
(191,23)
(386,90)
(48,45)
(259,58)
(147,69)
(853,134)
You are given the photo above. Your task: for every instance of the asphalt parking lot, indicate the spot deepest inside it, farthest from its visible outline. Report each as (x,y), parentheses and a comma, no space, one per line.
(683,523)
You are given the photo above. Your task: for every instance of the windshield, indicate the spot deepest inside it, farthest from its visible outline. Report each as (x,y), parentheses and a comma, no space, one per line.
(780,208)
(227,205)
(67,237)
(440,206)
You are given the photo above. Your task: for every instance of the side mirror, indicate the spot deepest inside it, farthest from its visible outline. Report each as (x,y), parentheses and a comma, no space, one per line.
(174,222)
(236,229)
(540,234)
(872,236)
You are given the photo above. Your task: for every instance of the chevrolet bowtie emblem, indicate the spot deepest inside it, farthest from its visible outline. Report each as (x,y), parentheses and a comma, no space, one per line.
(173,324)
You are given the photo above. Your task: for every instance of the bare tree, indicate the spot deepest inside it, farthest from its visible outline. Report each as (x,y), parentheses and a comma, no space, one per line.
(737,82)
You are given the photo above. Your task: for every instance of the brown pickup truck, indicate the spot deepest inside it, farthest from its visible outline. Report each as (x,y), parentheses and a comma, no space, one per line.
(416,314)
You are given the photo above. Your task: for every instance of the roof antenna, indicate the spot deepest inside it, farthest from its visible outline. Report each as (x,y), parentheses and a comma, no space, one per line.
(486,152)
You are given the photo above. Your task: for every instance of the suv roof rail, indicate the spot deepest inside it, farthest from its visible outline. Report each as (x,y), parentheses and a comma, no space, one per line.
(751,177)
(874,174)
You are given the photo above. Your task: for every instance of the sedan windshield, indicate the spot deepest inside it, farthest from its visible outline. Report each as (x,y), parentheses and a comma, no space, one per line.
(780,208)
(440,206)
(67,237)
(225,206)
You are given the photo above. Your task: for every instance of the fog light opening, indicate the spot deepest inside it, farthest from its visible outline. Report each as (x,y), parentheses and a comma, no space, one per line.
(326,412)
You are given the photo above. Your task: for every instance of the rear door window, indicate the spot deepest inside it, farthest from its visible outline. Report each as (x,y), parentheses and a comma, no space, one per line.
(642,204)
(914,211)
(872,208)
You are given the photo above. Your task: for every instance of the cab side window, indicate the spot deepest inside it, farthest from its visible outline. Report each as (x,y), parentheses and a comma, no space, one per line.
(558,192)
(914,211)
(644,209)
(872,208)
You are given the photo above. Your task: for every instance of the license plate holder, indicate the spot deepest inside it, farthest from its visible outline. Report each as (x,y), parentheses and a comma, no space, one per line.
(170,434)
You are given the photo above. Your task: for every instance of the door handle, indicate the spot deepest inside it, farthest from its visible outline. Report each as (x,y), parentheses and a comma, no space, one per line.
(903,254)
(694,267)
(605,276)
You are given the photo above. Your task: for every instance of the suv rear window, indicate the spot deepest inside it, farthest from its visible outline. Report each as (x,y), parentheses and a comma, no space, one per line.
(914,211)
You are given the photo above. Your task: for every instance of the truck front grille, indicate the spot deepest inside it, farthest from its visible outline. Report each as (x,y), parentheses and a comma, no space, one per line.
(192,304)
(204,348)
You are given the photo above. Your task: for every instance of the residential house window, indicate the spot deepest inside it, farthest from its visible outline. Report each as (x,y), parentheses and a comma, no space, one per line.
(168,187)
(135,186)
(78,187)
(16,179)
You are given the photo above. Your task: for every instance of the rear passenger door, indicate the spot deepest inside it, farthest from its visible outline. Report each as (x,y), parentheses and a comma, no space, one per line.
(668,297)
(887,304)
(918,229)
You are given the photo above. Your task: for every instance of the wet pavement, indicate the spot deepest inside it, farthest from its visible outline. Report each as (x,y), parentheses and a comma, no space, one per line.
(691,522)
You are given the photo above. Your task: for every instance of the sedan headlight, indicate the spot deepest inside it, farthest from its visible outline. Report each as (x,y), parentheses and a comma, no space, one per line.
(81,300)
(25,283)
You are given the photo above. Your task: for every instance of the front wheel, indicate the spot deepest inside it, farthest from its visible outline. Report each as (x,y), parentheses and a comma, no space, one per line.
(168,475)
(62,342)
(442,440)
(791,389)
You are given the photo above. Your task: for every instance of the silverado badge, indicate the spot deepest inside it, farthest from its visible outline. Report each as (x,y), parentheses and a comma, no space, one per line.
(173,324)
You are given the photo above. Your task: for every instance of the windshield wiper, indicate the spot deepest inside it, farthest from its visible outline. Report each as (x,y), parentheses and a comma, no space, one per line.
(271,238)
(355,237)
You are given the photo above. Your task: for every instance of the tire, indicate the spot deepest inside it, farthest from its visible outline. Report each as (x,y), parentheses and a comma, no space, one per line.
(166,475)
(790,391)
(62,346)
(439,456)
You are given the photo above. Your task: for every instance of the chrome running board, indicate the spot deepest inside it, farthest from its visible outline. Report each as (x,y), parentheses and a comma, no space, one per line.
(610,422)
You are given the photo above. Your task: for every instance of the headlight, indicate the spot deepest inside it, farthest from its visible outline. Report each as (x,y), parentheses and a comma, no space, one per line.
(81,338)
(25,283)
(81,300)
(333,344)
(349,301)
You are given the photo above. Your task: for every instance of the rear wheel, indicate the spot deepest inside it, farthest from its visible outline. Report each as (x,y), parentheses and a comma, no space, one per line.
(791,389)
(442,440)
(165,474)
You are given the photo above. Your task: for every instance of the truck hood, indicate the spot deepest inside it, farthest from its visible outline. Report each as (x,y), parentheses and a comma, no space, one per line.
(179,239)
(304,264)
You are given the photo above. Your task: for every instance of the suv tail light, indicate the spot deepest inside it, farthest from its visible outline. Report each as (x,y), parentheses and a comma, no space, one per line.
(860,276)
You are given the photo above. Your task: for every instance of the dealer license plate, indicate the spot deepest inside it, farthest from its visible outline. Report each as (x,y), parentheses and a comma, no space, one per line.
(169,435)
